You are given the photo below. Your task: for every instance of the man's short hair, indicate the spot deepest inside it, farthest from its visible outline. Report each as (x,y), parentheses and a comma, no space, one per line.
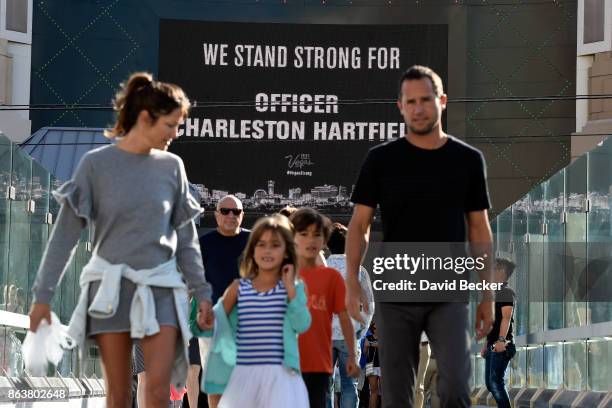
(305,217)
(337,238)
(226,197)
(417,72)
(507,264)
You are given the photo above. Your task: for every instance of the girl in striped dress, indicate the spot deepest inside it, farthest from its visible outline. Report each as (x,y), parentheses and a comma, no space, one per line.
(272,311)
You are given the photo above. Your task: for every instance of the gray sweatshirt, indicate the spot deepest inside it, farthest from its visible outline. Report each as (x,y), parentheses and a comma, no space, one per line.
(141,213)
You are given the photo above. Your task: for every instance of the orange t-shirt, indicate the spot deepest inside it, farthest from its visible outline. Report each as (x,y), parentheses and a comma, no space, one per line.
(325,291)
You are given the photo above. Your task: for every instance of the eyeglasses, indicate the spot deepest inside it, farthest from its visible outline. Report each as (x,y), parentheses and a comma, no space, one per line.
(235,211)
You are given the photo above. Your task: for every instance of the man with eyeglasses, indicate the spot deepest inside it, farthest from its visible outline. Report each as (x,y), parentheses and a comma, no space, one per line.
(221,250)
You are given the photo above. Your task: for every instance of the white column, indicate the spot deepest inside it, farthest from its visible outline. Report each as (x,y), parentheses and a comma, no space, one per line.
(583,63)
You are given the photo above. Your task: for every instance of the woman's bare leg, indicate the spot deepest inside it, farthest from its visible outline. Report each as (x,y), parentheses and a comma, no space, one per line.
(159,352)
(116,352)
(373,381)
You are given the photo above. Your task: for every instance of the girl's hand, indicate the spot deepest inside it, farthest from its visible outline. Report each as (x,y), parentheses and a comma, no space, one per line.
(38,312)
(205,315)
(288,276)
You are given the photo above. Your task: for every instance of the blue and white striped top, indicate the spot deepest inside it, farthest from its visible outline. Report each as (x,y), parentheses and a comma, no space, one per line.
(260,324)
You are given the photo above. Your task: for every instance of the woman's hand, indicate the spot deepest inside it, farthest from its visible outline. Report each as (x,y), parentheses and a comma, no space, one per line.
(38,312)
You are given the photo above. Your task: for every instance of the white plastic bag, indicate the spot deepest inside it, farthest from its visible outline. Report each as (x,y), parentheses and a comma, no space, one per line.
(45,347)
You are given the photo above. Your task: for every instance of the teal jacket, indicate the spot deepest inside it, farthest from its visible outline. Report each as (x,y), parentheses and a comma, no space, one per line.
(223,350)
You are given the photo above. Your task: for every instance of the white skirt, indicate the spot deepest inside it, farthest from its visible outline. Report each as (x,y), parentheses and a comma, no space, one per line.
(264,386)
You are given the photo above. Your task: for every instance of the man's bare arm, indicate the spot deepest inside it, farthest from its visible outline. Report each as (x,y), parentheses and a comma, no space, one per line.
(505,323)
(357,239)
(481,242)
(504,327)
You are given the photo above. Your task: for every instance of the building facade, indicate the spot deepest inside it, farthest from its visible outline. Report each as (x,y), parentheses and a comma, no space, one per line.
(15,67)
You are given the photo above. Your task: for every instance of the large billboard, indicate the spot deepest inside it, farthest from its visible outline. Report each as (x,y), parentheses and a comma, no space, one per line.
(285,113)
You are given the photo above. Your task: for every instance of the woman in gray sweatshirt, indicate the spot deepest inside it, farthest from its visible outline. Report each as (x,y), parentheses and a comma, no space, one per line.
(134,195)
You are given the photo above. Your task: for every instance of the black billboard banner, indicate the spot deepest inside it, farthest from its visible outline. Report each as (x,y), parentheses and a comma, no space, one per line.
(285,113)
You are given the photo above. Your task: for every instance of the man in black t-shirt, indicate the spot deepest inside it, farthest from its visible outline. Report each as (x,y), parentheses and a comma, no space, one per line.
(499,348)
(431,187)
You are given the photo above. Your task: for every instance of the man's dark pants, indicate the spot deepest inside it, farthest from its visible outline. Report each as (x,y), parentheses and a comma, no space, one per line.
(495,370)
(317,385)
(400,326)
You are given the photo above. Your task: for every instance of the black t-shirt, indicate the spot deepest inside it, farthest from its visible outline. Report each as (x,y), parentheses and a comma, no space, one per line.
(221,256)
(504,297)
(423,194)
(373,351)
